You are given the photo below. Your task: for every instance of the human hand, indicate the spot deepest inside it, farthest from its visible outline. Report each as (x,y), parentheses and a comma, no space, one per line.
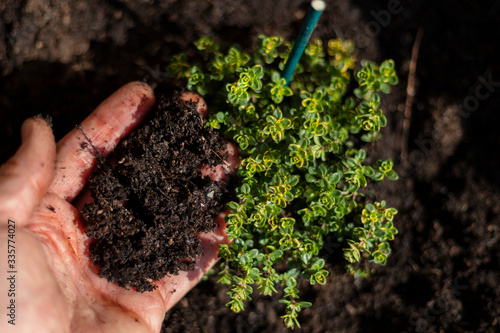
(57,288)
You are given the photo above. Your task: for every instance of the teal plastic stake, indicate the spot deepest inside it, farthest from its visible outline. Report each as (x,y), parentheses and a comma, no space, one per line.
(312,17)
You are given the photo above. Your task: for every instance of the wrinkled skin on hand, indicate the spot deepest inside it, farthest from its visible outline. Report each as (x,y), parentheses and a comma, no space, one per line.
(42,189)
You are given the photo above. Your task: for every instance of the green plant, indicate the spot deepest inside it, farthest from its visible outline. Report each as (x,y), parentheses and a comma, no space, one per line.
(303,177)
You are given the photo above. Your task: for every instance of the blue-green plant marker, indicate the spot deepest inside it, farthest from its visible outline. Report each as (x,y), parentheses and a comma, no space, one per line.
(317,7)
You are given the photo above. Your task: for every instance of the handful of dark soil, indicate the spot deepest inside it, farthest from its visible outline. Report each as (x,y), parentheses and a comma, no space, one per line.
(150,199)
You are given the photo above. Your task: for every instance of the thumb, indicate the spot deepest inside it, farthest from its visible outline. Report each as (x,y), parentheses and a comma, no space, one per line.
(25,178)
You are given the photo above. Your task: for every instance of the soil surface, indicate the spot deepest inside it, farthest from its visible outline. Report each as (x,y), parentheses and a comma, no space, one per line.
(150,199)
(64,57)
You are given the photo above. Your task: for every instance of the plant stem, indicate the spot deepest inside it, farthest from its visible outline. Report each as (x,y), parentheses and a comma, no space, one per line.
(317,7)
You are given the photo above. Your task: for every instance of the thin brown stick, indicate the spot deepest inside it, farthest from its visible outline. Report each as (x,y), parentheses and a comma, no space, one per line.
(217,155)
(410,95)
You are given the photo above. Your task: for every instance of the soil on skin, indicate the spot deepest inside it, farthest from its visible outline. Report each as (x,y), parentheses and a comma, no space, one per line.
(64,57)
(150,200)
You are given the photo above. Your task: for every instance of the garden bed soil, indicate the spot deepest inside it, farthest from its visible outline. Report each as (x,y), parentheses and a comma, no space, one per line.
(64,57)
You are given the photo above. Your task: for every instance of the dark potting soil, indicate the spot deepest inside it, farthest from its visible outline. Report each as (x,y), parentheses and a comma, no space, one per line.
(151,200)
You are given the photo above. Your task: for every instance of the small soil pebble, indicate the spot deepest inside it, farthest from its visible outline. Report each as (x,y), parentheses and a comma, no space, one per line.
(150,199)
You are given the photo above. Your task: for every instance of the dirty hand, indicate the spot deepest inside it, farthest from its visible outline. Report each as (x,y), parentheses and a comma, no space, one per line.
(55,284)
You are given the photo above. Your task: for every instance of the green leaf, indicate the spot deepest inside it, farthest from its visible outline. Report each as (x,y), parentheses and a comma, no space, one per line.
(225,279)
(374,100)
(306,257)
(318,264)
(245,188)
(276,254)
(360,156)
(245,259)
(220,116)
(335,178)
(322,170)
(392,175)
(259,71)
(384,247)
(368,171)
(293,180)
(253,253)
(304,304)
(291,282)
(233,205)
(310,178)
(370,207)
(275,76)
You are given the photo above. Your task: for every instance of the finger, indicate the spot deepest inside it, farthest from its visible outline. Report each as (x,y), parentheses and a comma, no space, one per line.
(173,288)
(189,96)
(233,158)
(112,120)
(233,161)
(25,178)
(229,167)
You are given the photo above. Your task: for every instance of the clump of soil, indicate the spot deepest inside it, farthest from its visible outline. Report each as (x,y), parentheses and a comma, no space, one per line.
(151,200)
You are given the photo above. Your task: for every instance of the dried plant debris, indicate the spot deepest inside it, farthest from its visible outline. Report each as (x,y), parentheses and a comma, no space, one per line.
(151,201)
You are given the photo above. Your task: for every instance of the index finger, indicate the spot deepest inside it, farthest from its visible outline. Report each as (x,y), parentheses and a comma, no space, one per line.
(102,129)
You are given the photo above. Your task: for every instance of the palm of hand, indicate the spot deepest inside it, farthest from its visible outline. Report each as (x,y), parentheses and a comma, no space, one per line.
(58,288)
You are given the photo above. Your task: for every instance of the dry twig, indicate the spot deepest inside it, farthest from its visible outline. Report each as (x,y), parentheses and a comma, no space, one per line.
(410,95)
